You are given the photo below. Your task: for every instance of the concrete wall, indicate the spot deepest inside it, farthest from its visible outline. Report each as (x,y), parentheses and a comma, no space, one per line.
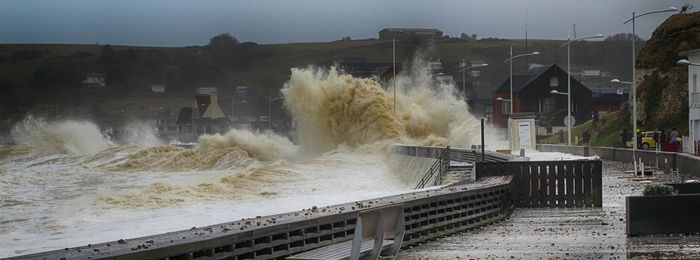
(677,214)
(684,163)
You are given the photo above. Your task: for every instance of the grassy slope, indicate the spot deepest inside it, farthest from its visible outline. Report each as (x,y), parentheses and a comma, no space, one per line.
(599,137)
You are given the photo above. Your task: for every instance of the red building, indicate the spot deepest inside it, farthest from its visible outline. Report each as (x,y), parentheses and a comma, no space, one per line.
(532,94)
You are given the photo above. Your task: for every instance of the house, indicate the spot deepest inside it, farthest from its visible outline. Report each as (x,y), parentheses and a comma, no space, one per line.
(609,99)
(532,94)
(205,117)
(693,99)
(158,88)
(409,33)
(95,80)
(376,70)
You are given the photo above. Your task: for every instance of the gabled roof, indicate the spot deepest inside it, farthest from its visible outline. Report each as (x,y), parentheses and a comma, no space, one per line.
(184,116)
(521,81)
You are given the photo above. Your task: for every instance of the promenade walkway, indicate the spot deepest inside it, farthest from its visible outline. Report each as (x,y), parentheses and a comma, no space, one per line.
(568,233)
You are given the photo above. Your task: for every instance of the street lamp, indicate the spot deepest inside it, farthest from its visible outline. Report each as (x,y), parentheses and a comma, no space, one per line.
(684,62)
(510,60)
(634,74)
(464,68)
(503,100)
(269,109)
(568,80)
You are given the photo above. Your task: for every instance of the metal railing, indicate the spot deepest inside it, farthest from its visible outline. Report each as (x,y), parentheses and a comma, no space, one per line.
(439,168)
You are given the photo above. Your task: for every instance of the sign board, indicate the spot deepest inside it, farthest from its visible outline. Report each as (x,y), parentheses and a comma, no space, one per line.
(568,119)
(524,133)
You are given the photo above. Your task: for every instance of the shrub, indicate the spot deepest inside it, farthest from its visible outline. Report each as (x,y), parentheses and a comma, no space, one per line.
(659,189)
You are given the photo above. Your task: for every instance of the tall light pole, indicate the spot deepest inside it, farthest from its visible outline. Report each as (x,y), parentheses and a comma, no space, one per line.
(634,74)
(233,106)
(510,60)
(464,68)
(568,80)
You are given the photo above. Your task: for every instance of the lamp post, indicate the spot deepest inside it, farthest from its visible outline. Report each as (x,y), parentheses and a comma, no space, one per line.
(568,81)
(233,106)
(510,60)
(684,62)
(511,100)
(634,72)
(269,109)
(464,68)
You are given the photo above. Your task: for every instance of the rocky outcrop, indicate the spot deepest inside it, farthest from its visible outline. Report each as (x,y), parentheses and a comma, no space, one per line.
(662,85)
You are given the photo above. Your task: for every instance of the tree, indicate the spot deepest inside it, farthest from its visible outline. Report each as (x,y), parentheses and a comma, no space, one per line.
(223,40)
(106,54)
(686,8)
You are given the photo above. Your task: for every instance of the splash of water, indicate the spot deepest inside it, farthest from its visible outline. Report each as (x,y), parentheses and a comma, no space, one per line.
(264,146)
(141,134)
(65,136)
(332,109)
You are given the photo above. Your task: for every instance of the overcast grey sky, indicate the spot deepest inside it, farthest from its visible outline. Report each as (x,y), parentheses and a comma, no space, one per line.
(193,22)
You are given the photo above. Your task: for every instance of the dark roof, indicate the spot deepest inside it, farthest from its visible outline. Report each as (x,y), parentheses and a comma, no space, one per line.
(184,116)
(521,80)
(610,94)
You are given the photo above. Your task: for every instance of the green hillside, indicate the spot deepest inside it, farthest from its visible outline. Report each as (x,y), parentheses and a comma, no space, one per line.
(36,76)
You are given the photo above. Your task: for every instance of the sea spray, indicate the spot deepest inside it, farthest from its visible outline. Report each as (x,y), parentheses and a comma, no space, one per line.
(331,109)
(263,146)
(141,134)
(65,136)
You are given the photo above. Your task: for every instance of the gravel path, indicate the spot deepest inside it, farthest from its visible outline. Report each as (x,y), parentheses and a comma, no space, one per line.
(589,233)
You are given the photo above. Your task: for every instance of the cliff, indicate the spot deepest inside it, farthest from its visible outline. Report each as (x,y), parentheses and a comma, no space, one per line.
(662,85)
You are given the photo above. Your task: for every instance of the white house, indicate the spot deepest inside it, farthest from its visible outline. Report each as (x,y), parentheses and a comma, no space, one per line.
(95,81)
(693,98)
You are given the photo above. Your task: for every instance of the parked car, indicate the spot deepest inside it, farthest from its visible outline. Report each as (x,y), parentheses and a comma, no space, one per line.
(648,139)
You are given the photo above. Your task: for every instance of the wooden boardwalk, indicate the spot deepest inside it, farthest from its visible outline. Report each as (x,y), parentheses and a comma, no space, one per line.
(566,233)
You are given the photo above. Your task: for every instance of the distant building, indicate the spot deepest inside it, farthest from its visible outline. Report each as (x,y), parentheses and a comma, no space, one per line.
(206,117)
(206,90)
(609,99)
(380,71)
(158,88)
(242,90)
(409,33)
(95,81)
(531,94)
(693,100)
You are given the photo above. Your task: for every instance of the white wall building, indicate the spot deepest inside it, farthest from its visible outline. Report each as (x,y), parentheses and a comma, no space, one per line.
(693,98)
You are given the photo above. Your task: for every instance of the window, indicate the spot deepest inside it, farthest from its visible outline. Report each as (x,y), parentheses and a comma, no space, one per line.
(546,105)
(554,82)
(505,107)
(695,83)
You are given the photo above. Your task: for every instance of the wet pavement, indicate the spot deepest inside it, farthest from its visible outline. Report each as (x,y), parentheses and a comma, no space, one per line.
(578,233)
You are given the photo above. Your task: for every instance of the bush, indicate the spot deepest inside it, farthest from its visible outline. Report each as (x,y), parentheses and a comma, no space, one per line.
(659,189)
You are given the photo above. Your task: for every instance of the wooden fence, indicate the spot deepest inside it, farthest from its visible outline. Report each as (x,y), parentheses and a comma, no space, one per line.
(550,183)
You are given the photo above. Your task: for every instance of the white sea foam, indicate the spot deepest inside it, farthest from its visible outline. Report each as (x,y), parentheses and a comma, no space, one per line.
(66,184)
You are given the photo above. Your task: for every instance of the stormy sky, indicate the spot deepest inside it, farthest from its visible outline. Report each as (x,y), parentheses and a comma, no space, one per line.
(193,22)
